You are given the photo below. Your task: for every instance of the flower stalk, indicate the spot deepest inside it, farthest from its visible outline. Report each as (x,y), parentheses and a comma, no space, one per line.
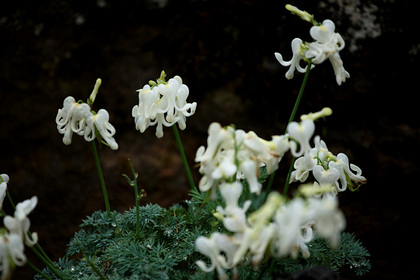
(292,117)
(101,178)
(184,158)
(133,183)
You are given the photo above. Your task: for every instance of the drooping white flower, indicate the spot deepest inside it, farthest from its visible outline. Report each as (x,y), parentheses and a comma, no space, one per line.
(301,132)
(164,104)
(4,179)
(100,122)
(329,220)
(327,44)
(77,117)
(234,217)
(326,176)
(19,224)
(327,169)
(293,229)
(233,152)
(294,63)
(258,234)
(63,119)
(212,248)
(11,254)
(146,110)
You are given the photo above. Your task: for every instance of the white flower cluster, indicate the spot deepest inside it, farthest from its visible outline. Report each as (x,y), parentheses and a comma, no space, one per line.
(327,169)
(233,154)
(327,45)
(278,229)
(77,117)
(163,103)
(16,232)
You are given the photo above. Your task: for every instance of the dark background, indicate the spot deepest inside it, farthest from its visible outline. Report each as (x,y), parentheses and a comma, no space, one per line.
(224,51)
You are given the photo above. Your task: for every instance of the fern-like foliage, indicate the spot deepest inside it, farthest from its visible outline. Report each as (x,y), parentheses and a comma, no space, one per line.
(166,248)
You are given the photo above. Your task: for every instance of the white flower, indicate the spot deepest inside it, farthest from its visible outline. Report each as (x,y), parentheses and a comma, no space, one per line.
(11,254)
(327,169)
(293,229)
(257,236)
(212,248)
(329,220)
(100,122)
(294,63)
(249,169)
(342,164)
(76,117)
(163,104)
(301,132)
(326,176)
(268,152)
(328,44)
(63,119)
(234,154)
(234,218)
(146,110)
(4,179)
(303,166)
(19,224)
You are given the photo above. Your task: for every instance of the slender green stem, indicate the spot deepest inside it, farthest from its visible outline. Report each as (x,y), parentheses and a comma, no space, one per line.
(184,158)
(101,177)
(37,270)
(42,252)
(10,200)
(302,89)
(136,193)
(292,117)
(286,184)
(47,262)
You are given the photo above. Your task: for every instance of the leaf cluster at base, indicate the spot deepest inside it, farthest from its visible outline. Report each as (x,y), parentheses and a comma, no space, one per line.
(166,248)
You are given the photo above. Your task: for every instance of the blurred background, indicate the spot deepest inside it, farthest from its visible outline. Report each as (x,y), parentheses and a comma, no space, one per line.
(224,51)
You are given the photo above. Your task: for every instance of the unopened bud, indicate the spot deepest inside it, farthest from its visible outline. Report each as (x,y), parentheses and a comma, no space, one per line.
(303,14)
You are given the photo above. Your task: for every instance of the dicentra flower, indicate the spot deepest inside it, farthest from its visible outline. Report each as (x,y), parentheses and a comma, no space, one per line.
(300,132)
(4,179)
(164,104)
(100,122)
(77,117)
(298,50)
(327,168)
(234,154)
(327,44)
(11,254)
(212,248)
(19,224)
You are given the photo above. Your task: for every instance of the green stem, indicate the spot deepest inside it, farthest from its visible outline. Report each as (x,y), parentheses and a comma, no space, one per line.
(37,270)
(292,117)
(136,193)
(302,89)
(184,158)
(101,177)
(286,184)
(47,262)
(10,199)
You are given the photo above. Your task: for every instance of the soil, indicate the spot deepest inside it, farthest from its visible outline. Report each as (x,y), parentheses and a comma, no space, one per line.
(224,51)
